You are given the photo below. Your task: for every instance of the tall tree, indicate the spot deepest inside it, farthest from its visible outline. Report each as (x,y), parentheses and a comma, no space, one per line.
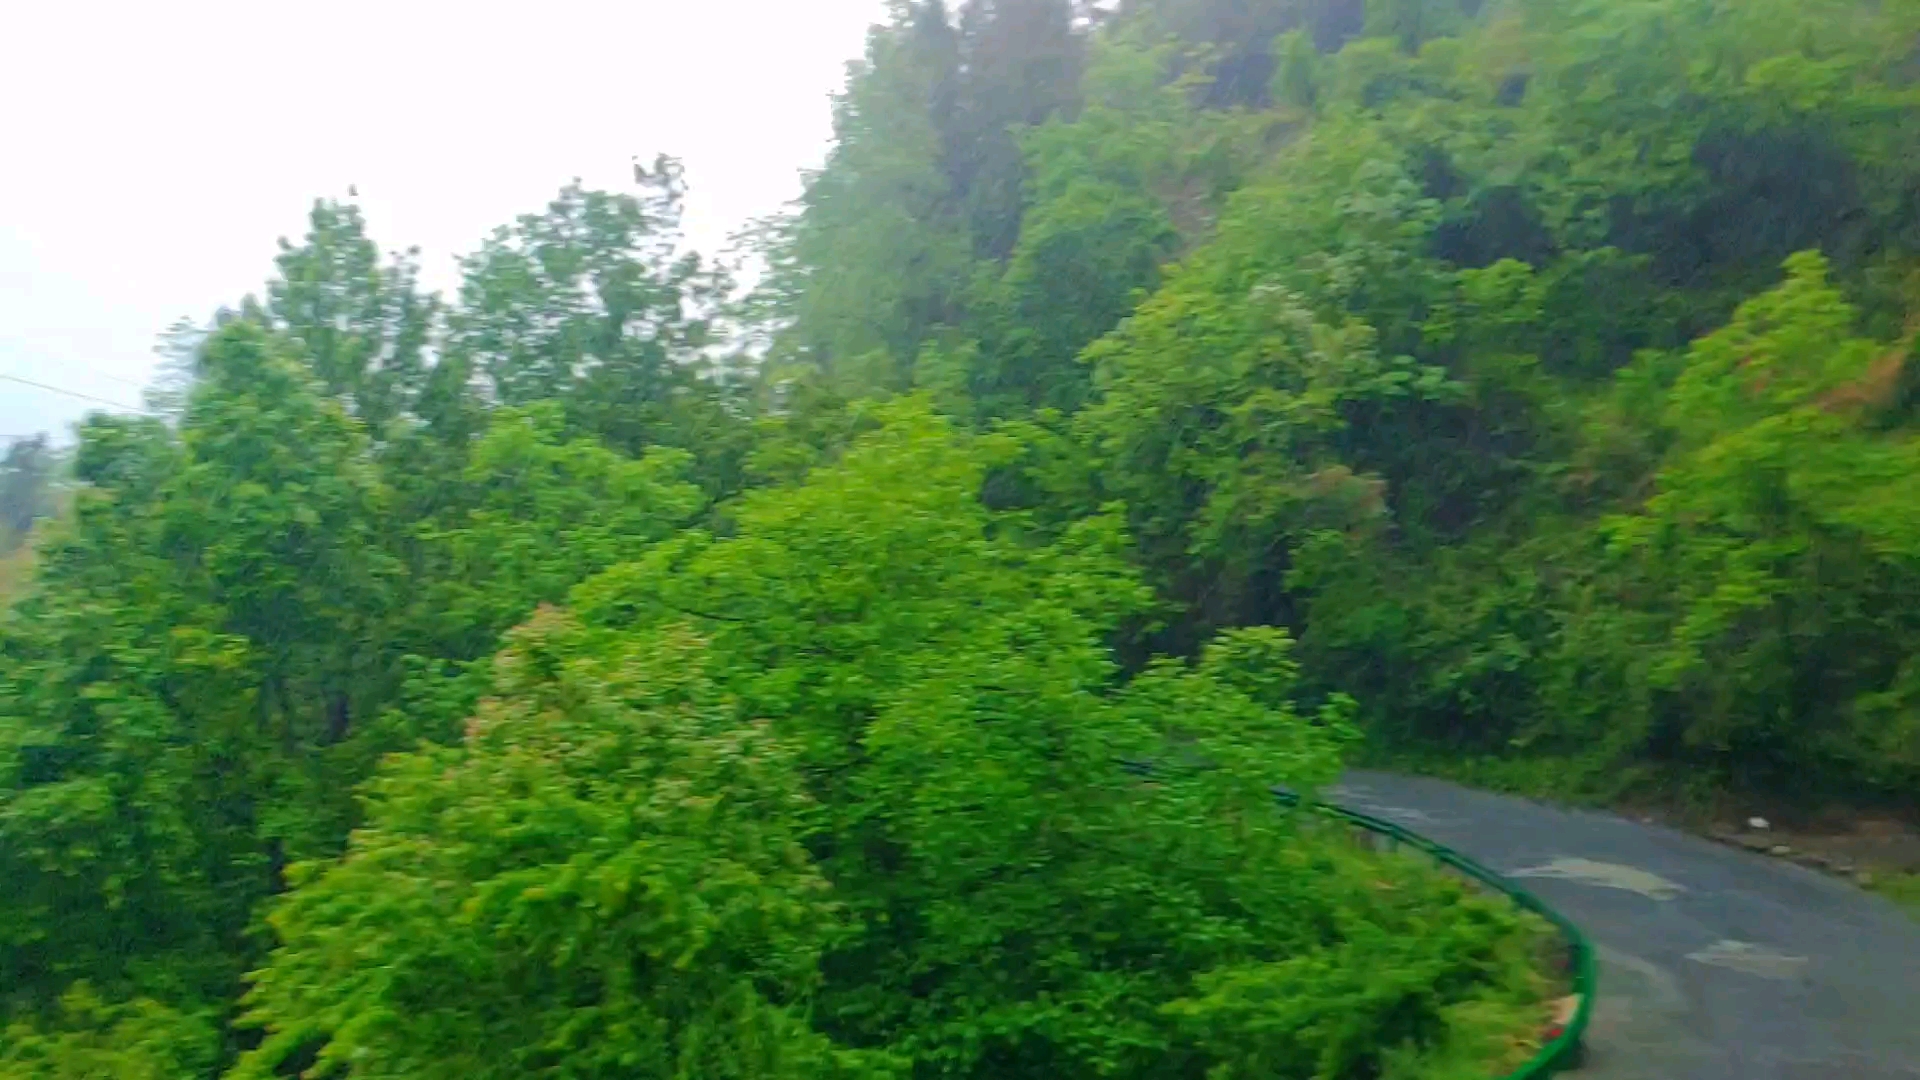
(196,643)
(1233,41)
(26,495)
(364,328)
(178,349)
(877,255)
(1112,193)
(593,304)
(1020,64)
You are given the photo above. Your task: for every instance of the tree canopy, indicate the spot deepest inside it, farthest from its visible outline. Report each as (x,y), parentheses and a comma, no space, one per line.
(603,672)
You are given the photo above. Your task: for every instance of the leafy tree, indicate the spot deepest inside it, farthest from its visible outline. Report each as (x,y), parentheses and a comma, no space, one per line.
(878,254)
(1243,403)
(1241,40)
(363,329)
(26,479)
(1112,194)
(540,512)
(1020,65)
(16,568)
(223,642)
(591,304)
(179,350)
(195,643)
(605,880)
(141,1039)
(1780,511)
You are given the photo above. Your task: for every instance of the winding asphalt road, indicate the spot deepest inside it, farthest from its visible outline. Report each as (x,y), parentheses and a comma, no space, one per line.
(1715,963)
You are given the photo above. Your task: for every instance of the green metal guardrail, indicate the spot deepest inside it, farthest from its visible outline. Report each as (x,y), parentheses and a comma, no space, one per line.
(1566,1047)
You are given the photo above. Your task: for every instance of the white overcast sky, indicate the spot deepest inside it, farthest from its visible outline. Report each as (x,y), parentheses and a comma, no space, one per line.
(151,153)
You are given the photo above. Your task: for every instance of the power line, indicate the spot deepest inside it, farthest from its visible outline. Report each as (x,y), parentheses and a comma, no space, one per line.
(70,393)
(108,375)
(115,378)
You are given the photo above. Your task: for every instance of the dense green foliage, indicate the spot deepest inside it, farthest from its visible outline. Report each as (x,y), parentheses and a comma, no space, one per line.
(539,681)
(15,568)
(1546,368)
(924,855)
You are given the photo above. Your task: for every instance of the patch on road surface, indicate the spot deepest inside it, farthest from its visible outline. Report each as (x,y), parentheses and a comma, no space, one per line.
(1355,798)
(1751,959)
(1643,1028)
(1646,986)
(1605,875)
(1404,816)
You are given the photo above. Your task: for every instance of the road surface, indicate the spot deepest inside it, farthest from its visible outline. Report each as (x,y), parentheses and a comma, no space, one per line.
(1715,963)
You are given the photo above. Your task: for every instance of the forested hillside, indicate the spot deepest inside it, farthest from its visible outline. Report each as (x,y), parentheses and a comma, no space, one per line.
(1547,367)
(607,671)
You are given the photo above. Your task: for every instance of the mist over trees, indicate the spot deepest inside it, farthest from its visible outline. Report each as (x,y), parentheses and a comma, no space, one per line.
(539,679)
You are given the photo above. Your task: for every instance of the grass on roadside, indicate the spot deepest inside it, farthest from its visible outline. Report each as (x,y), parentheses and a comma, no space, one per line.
(1567,780)
(1902,889)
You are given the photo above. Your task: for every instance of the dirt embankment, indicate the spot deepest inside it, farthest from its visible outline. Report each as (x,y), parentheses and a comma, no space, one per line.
(1874,850)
